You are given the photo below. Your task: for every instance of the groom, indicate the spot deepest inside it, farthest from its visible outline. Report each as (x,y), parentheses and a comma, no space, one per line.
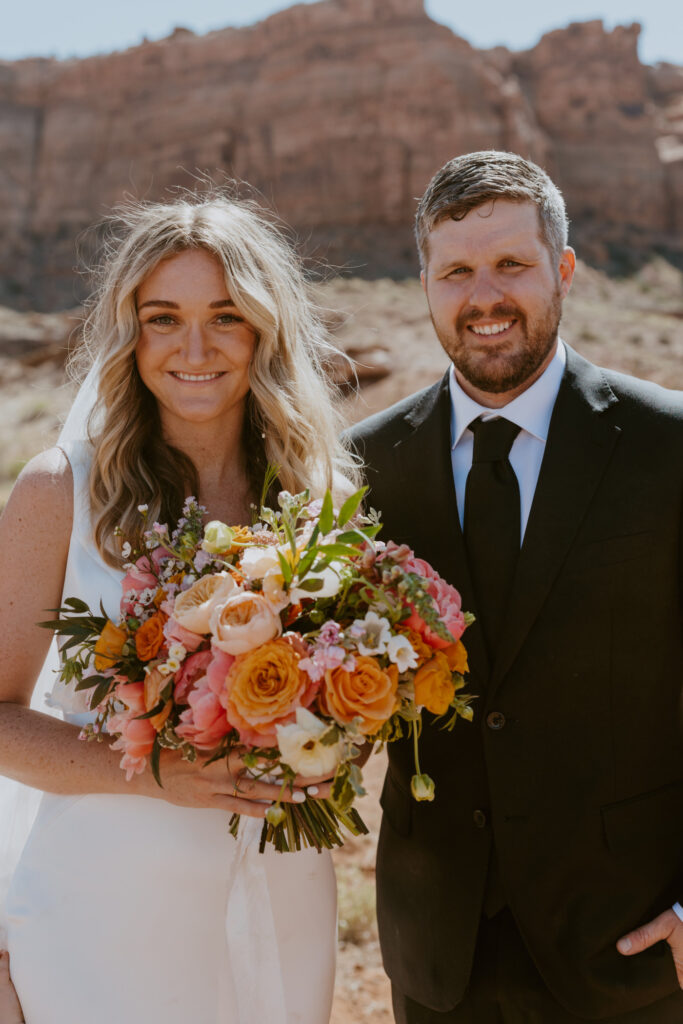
(550,492)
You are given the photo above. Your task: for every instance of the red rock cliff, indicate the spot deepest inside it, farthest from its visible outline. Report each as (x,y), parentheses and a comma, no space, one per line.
(338,112)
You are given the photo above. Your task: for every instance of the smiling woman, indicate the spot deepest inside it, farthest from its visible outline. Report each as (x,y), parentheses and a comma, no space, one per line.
(207,362)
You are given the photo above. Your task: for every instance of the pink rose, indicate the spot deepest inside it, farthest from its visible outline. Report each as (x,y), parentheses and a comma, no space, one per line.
(205,722)
(189,672)
(449,606)
(139,578)
(136,735)
(174,632)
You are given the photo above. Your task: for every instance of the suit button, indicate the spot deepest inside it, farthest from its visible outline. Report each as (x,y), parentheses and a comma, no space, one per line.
(495,720)
(479,819)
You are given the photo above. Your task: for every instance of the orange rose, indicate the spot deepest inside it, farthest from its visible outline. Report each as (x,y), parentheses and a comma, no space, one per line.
(263,689)
(150,637)
(109,646)
(434,686)
(457,657)
(154,684)
(368,693)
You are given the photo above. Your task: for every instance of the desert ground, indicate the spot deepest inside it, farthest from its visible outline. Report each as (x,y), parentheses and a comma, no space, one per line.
(634,325)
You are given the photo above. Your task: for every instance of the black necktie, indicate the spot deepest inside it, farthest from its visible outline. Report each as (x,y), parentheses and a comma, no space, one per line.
(492,523)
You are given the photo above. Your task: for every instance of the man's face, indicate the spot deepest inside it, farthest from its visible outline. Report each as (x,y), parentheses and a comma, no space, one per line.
(495,297)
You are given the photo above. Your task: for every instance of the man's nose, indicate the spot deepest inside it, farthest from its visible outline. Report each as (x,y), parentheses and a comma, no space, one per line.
(485,290)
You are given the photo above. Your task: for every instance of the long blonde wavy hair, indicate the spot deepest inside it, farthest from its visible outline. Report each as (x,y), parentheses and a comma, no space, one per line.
(291,418)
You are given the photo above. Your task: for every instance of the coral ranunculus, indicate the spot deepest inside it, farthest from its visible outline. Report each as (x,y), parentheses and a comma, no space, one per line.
(368,693)
(109,646)
(154,684)
(263,689)
(150,637)
(434,686)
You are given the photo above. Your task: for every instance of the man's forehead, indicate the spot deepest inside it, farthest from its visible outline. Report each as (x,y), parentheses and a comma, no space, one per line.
(495,223)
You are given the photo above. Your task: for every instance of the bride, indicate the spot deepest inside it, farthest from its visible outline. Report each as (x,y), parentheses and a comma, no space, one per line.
(132,902)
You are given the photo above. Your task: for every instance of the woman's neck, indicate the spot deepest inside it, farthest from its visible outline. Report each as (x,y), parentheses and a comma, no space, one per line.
(221,464)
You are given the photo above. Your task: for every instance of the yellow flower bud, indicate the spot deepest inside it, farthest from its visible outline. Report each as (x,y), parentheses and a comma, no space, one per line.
(422,787)
(275,815)
(217,537)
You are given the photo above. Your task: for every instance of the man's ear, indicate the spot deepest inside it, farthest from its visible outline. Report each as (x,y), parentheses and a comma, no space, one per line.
(566,268)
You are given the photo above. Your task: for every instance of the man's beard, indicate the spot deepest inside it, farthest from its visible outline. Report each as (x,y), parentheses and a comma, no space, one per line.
(515,367)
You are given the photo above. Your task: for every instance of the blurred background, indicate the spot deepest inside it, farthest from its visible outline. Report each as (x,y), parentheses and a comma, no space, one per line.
(337,113)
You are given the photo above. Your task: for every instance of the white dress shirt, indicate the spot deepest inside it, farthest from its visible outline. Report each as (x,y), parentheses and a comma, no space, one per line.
(531,411)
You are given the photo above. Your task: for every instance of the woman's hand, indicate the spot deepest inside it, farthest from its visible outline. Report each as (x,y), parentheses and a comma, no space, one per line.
(10,1008)
(229,786)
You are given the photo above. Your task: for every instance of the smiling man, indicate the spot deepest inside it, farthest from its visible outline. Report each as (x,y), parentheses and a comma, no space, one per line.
(549,491)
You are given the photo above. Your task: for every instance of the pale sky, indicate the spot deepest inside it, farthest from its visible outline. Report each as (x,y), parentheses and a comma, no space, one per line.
(67,28)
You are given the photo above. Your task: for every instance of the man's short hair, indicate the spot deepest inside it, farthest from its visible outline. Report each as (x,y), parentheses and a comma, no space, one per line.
(473,179)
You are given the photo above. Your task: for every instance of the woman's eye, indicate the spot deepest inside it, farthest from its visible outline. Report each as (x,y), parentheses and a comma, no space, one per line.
(163,320)
(228,319)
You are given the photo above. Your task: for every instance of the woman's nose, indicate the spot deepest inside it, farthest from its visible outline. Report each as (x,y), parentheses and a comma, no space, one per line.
(197,344)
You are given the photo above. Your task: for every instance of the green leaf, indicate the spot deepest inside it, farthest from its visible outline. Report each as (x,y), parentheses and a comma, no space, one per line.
(101,691)
(311,584)
(155,711)
(154,762)
(351,537)
(77,605)
(91,681)
(350,506)
(338,550)
(326,519)
(285,568)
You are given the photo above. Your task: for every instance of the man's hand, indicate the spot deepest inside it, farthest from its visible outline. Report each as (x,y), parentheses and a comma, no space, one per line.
(667,926)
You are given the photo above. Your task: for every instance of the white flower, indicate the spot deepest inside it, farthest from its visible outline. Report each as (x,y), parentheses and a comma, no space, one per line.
(142,509)
(257,561)
(126,550)
(373,633)
(301,748)
(165,668)
(331,582)
(138,610)
(172,664)
(402,653)
(178,652)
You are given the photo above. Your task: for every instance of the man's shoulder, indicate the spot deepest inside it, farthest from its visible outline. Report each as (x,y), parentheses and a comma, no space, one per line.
(394,421)
(646,397)
(634,395)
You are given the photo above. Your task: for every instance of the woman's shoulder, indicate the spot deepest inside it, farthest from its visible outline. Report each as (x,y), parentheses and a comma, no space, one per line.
(45,484)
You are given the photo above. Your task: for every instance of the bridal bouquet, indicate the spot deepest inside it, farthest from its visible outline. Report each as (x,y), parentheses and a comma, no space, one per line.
(294,641)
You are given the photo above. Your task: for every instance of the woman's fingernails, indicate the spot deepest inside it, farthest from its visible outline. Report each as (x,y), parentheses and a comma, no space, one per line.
(298,796)
(624,945)
(312,790)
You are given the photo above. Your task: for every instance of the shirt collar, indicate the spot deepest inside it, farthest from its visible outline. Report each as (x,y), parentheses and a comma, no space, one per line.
(531,410)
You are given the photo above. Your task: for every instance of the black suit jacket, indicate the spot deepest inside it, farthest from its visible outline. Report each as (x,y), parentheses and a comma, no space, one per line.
(582,789)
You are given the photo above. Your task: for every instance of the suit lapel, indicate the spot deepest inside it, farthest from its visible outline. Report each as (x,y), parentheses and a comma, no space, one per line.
(579,447)
(430,510)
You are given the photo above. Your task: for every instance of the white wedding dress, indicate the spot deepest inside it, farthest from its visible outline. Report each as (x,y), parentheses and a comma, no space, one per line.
(129,909)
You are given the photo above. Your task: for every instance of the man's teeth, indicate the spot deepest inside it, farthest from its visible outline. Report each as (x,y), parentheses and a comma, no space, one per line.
(197,376)
(492,328)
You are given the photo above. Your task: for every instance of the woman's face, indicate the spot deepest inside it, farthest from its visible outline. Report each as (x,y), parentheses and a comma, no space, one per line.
(194,348)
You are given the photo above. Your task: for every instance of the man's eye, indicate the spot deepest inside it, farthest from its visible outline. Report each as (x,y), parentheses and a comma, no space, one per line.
(511,263)
(458,271)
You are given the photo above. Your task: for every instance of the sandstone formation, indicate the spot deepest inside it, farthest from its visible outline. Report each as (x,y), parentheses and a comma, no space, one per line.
(338,112)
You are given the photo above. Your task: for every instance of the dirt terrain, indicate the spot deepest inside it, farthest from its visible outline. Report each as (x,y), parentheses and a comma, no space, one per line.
(634,325)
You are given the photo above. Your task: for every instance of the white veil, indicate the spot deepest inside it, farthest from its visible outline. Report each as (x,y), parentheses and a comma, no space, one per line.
(19,803)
